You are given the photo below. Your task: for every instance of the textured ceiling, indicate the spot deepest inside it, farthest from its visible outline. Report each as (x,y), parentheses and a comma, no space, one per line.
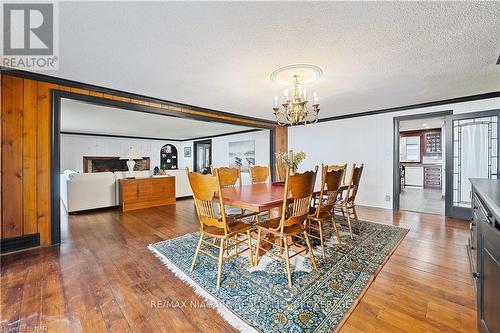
(79,117)
(220,54)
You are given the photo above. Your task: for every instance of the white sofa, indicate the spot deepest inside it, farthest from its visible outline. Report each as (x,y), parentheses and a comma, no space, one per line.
(84,191)
(182,187)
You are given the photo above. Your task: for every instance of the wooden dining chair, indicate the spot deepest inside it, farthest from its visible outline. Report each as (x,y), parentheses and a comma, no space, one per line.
(347,205)
(339,167)
(214,224)
(298,191)
(229,177)
(259,174)
(331,181)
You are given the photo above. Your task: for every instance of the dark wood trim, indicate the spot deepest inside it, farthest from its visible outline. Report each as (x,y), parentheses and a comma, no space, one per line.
(19,243)
(55,169)
(115,92)
(184,198)
(272,153)
(462,99)
(57,95)
(396,185)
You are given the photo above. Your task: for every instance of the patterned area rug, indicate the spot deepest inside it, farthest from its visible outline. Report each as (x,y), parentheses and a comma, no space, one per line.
(259,299)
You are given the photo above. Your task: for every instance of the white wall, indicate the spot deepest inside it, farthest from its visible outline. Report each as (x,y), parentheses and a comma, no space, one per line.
(74,147)
(367,140)
(220,150)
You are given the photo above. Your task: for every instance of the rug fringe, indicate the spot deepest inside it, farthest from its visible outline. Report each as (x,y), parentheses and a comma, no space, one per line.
(213,302)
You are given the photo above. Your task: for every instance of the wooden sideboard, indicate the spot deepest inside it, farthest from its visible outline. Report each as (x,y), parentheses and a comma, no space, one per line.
(138,193)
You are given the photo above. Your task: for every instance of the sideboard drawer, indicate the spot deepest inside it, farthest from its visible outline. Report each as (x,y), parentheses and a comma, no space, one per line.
(146,192)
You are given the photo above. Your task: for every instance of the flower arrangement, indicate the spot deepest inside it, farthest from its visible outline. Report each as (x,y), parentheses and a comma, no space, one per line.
(291,159)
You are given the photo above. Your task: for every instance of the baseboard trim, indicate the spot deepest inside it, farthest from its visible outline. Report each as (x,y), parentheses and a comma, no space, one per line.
(184,197)
(19,243)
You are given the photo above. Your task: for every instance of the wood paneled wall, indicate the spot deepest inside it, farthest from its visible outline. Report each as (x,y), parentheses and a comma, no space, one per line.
(25,151)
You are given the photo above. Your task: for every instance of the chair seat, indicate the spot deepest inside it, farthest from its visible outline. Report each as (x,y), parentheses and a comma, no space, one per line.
(274,223)
(234,227)
(322,216)
(344,204)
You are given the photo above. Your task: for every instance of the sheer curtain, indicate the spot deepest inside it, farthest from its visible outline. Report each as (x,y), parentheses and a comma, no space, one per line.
(474,157)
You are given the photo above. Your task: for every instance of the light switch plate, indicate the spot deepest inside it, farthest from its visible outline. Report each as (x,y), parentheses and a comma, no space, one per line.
(387,198)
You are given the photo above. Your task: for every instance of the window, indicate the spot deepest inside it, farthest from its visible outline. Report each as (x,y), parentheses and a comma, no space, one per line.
(410,149)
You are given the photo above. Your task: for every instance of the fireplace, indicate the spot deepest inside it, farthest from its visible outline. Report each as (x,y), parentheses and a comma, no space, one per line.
(111,163)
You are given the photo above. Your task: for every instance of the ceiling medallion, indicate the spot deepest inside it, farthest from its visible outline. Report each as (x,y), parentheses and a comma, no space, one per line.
(295,110)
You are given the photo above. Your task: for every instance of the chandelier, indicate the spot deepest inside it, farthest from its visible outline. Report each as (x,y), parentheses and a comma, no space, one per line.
(296,110)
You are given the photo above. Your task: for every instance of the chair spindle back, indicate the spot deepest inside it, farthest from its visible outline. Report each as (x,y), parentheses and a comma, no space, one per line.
(210,212)
(354,183)
(330,185)
(299,188)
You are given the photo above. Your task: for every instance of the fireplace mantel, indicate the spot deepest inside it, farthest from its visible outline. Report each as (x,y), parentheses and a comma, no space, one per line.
(111,163)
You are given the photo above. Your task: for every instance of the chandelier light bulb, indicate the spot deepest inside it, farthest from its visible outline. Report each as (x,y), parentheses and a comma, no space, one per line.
(296,111)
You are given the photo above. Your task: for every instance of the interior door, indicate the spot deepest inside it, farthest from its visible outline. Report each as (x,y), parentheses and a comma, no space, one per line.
(202,156)
(472,151)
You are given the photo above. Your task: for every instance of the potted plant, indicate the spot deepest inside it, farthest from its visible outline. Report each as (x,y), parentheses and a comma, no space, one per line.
(291,159)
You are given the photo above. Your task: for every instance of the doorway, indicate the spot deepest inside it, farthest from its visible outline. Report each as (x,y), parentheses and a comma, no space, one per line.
(469,149)
(420,163)
(202,156)
(71,144)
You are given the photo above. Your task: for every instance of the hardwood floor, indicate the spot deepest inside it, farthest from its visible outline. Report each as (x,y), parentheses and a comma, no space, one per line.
(103,279)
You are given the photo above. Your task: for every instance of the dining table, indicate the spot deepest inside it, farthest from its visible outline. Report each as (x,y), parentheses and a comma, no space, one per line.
(257,198)
(261,197)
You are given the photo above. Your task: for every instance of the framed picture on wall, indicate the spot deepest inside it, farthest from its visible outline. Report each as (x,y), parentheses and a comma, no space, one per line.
(242,154)
(187,151)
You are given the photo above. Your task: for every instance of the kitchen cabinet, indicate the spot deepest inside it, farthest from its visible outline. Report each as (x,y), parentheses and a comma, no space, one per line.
(432,143)
(432,176)
(484,252)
